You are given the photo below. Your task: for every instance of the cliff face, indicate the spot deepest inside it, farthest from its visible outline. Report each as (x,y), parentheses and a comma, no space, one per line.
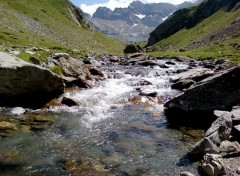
(188,18)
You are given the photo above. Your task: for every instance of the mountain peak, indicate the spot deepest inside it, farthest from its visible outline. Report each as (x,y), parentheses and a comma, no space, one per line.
(136,4)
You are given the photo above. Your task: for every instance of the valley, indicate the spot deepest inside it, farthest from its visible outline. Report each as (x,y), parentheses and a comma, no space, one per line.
(150,89)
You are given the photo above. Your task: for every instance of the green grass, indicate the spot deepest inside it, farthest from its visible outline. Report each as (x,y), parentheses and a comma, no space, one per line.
(51,24)
(56,69)
(183,38)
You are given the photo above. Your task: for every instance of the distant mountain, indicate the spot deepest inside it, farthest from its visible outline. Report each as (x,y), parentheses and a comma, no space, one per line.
(188,18)
(135,22)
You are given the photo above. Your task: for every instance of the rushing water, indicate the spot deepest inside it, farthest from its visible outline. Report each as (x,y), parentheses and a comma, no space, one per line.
(114,132)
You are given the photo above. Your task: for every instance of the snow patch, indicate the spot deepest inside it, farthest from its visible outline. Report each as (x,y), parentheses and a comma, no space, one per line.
(166,17)
(141,16)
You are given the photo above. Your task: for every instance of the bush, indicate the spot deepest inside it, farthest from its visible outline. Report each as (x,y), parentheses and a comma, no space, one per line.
(133,48)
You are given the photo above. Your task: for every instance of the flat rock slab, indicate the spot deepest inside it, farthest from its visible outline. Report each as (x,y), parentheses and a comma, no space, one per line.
(194,74)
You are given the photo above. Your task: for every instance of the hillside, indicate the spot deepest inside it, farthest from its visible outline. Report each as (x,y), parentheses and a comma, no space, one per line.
(215,35)
(188,18)
(135,22)
(51,24)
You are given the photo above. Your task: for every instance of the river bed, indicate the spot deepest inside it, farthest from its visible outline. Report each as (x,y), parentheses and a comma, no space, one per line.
(116,131)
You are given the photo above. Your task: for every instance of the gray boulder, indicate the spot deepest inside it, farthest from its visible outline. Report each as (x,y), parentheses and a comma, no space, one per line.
(74,71)
(219,131)
(197,74)
(222,125)
(26,85)
(195,106)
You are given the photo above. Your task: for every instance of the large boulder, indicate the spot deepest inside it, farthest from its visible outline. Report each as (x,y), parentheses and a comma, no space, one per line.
(26,85)
(195,106)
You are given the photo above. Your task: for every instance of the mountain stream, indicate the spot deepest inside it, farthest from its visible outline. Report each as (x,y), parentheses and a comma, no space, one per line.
(117,130)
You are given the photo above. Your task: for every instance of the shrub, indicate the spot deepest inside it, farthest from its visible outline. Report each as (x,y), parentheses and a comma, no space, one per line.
(133,48)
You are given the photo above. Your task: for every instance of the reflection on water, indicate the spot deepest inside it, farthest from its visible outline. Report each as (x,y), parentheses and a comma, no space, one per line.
(106,135)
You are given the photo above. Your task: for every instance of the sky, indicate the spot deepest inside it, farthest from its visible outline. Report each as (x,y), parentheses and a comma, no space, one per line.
(90,6)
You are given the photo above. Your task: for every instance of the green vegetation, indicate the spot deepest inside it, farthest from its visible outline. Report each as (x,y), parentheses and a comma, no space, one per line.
(53,24)
(56,69)
(199,42)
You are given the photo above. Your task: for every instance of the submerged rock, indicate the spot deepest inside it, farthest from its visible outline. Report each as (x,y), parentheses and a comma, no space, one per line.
(195,106)
(26,85)
(7,126)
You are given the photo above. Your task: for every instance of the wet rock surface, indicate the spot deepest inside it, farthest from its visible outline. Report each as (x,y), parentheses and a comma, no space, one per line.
(24,123)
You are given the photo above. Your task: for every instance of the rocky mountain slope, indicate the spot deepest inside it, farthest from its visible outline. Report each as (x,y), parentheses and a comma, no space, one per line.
(211,29)
(135,22)
(55,24)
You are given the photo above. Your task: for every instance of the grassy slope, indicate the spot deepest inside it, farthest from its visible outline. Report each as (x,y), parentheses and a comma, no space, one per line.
(50,24)
(220,20)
